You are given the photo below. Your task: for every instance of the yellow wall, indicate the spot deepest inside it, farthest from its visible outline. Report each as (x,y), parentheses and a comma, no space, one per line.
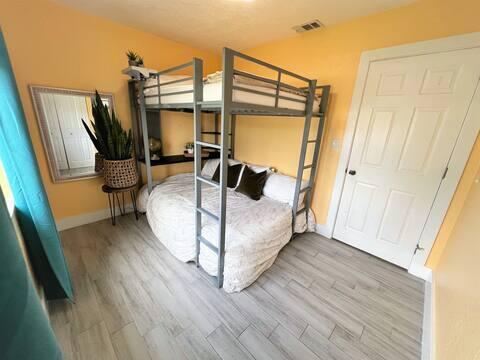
(332,55)
(457,296)
(56,46)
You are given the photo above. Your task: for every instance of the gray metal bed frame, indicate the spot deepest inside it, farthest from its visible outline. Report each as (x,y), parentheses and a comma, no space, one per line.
(227,108)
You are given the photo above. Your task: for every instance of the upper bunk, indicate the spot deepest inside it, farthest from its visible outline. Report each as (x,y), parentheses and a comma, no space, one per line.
(244,93)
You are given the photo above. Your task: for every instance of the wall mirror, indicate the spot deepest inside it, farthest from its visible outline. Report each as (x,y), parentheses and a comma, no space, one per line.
(70,153)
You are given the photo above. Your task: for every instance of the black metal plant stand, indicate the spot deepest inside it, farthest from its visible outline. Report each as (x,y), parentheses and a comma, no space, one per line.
(113,193)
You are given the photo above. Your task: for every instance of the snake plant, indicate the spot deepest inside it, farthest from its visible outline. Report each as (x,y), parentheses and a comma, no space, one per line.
(108,136)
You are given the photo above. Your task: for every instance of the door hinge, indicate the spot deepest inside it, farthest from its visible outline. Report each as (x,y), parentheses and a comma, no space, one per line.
(418,248)
(445,173)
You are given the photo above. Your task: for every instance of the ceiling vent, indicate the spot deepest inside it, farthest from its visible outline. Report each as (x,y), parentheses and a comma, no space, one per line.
(311,25)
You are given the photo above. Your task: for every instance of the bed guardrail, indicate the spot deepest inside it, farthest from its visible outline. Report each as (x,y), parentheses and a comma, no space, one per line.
(159,85)
(282,89)
(278,85)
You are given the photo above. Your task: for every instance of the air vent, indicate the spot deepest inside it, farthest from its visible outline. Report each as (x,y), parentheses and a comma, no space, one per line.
(309,26)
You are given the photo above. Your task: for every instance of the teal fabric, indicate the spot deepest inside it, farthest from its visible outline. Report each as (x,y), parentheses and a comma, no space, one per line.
(33,210)
(25,332)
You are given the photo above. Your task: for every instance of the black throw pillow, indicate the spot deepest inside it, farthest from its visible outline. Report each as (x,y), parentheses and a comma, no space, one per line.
(252,183)
(233,173)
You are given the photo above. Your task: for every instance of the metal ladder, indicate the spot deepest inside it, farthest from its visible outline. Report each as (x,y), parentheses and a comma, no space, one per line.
(303,151)
(218,249)
(215,133)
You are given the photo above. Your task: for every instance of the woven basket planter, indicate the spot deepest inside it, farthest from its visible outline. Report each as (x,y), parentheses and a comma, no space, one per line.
(120,173)
(98,162)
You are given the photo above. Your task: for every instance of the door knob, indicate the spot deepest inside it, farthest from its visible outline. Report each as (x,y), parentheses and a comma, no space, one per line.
(352,172)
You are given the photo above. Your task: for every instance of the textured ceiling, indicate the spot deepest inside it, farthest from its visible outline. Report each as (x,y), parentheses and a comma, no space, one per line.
(240,24)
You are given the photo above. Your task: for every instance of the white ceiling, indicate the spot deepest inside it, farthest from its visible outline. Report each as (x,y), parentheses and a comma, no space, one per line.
(240,24)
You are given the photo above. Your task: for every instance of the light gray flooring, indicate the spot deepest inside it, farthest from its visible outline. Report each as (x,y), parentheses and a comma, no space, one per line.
(320,300)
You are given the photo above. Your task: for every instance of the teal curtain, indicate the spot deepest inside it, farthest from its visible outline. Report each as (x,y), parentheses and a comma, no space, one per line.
(25,332)
(33,211)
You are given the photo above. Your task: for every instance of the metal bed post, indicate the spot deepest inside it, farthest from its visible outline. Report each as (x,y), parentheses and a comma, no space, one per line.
(303,151)
(133,112)
(227,90)
(197,123)
(232,135)
(216,127)
(146,147)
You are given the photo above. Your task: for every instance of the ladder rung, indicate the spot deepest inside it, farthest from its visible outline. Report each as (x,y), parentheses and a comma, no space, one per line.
(311,141)
(202,143)
(301,211)
(208,213)
(207,244)
(306,188)
(307,166)
(207,181)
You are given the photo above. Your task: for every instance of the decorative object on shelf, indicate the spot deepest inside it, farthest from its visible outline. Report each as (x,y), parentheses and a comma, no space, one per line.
(205,154)
(132,57)
(112,194)
(140,61)
(99,162)
(155,146)
(189,146)
(115,144)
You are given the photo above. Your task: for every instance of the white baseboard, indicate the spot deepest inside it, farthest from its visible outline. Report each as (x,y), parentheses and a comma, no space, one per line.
(420,271)
(323,230)
(74,221)
(428,335)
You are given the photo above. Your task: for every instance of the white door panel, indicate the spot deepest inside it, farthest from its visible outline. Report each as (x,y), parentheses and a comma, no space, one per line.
(71,110)
(411,114)
(53,126)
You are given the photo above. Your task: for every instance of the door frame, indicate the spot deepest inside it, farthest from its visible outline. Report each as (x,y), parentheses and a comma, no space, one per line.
(458,159)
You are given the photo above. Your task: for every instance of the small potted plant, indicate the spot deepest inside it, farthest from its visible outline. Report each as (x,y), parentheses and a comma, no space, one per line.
(115,144)
(140,61)
(189,146)
(132,57)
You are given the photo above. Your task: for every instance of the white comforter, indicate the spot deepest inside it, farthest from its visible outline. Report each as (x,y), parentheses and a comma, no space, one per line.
(255,230)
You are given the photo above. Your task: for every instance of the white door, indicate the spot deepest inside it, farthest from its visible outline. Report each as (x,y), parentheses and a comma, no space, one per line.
(53,125)
(411,114)
(71,110)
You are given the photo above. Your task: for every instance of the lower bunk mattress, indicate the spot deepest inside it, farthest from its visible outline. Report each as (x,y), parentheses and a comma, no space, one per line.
(255,230)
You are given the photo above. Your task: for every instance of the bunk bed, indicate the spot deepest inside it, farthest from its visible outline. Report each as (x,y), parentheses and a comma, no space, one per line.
(225,94)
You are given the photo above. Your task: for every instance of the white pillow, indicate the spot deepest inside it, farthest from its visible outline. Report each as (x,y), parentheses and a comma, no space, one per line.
(211,165)
(282,188)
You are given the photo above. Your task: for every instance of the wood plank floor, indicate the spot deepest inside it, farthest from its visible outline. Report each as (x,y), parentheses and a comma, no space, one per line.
(320,300)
